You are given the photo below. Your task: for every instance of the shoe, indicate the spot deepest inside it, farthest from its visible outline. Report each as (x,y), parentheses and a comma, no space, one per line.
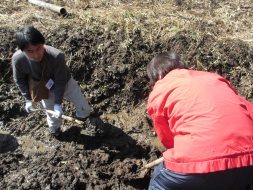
(57,133)
(81,118)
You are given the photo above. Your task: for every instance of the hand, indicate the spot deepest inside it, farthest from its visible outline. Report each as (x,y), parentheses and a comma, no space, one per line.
(58,110)
(28,106)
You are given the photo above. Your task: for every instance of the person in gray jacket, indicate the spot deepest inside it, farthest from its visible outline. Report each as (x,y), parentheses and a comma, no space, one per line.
(36,61)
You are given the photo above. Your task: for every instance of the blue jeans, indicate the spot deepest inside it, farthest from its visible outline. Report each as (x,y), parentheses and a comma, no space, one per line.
(233,179)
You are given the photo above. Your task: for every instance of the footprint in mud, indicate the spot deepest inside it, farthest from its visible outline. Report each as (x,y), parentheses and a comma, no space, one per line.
(7,143)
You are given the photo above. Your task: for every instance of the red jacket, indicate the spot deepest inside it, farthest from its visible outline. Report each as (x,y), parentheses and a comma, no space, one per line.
(202,121)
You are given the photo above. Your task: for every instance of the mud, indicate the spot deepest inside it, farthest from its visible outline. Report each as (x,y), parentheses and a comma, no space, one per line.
(111,70)
(32,159)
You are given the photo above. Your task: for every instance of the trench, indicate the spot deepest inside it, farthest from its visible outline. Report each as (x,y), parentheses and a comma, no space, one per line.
(111,71)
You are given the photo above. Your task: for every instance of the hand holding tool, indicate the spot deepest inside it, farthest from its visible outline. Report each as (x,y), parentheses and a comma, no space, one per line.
(58,111)
(62,116)
(28,106)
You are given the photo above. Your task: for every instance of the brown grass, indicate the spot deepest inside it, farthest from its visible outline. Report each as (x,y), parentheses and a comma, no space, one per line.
(226,19)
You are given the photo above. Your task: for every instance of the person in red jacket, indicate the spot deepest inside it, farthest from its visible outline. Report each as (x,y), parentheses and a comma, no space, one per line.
(205,126)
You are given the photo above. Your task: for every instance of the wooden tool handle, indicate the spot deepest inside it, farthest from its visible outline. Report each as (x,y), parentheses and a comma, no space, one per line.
(62,116)
(154,163)
(72,119)
(66,117)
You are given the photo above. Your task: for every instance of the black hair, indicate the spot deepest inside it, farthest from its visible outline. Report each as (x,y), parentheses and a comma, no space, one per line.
(28,35)
(162,64)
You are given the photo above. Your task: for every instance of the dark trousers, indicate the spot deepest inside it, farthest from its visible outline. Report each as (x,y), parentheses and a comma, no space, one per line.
(233,179)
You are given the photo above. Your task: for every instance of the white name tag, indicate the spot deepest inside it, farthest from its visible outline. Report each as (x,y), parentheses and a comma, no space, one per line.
(49,84)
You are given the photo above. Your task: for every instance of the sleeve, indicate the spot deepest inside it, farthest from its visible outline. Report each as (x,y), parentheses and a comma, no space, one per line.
(61,72)
(21,79)
(228,83)
(162,129)
(249,106)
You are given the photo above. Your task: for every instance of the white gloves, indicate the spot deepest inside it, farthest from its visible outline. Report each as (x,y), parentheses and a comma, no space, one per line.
(58,111)
(28,106)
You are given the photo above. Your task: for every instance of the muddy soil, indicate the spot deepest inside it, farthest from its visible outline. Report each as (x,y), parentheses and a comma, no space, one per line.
(80,159)
(112,75)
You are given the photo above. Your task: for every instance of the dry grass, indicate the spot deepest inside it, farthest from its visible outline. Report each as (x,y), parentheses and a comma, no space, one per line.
(157,19)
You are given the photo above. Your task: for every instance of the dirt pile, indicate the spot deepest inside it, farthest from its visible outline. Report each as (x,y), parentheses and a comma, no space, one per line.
(108,46)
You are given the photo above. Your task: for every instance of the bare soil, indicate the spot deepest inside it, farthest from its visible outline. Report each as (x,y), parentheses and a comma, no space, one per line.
(108,45)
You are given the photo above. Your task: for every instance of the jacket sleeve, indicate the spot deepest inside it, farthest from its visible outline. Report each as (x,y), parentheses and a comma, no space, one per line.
(163,131)
(61,78)
(249,106)
(21,79)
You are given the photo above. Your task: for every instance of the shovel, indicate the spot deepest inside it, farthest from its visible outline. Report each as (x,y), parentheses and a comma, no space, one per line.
(154,163)
(62,116)
(145,170)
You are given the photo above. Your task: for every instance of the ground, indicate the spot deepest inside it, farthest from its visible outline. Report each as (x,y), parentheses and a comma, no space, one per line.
(108,45)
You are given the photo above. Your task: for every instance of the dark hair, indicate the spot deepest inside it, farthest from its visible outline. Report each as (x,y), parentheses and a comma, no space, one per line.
(29,35)
(162,64)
